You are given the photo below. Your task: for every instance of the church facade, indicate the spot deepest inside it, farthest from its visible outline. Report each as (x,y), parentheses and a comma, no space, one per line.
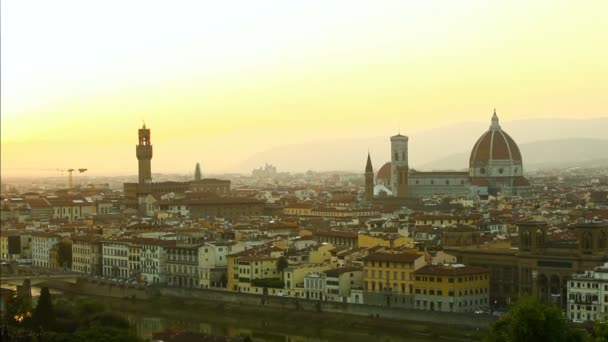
(495,167)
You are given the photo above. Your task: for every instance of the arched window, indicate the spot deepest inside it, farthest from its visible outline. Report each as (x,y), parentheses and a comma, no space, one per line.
(540,238)
(587,240)
(601,243)
(501,170)
(482,170)
(525,239)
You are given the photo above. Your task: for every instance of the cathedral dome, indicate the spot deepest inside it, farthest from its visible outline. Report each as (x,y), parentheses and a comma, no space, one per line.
(495,154)
(384,175)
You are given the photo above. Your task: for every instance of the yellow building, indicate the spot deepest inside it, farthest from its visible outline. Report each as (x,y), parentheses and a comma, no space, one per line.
(4,246)
(253,268)
(232,262)
(364,240)
(293,276)
(391,272)
(452,288)
(320,254)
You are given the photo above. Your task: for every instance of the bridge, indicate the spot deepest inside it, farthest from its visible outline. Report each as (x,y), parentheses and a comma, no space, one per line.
(18,280)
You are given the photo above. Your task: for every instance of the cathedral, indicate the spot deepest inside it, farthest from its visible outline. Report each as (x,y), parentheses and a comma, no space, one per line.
(495,167)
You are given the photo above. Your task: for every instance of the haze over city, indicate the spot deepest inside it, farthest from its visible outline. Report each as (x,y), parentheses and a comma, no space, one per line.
(312,171)
(222,83)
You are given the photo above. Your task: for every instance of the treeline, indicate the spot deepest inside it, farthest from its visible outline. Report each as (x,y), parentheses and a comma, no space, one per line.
(63,321)
(530,320)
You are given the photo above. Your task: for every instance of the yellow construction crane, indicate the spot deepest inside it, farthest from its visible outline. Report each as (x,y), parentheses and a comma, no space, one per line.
(69,171)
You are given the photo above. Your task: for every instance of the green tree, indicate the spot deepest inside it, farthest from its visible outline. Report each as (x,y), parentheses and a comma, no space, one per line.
(530,320)
(601,331)
(18,310)
(44,315)
(64,253)
(282,263)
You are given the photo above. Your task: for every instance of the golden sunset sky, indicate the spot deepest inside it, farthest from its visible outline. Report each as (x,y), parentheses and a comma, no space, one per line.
(218,81)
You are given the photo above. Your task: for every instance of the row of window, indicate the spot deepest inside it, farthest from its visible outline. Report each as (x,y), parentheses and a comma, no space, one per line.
(386,264)
(386,275)
(451,279)
(451,292)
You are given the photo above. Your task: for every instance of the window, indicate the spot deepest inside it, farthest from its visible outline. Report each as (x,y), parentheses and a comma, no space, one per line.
(482,170)
(501,170)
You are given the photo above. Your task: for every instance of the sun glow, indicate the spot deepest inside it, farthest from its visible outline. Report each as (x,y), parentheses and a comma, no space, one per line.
(79,77)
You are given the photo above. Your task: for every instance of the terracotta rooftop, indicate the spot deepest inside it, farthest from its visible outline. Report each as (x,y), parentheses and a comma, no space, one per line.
(394,257)
(450,270)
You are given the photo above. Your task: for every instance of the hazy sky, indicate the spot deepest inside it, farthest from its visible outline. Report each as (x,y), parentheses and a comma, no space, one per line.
(218,81)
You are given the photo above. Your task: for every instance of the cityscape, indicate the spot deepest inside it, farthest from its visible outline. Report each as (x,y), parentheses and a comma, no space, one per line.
(194,219)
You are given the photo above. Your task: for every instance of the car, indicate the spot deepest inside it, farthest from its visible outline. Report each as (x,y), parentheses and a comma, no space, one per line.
(479,312)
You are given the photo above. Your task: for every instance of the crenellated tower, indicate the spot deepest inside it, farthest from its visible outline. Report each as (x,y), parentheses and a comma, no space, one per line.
(144,155)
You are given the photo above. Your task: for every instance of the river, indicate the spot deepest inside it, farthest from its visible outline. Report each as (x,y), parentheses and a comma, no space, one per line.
(148,318)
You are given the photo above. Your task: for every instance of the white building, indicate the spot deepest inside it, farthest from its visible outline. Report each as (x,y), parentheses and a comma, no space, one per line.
(116,258)
(340,281)
(588,295)
(213,263)
(42,242)
(314,286)
(152,261)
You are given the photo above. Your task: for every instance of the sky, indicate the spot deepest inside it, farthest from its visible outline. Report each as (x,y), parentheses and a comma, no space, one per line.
(219,81)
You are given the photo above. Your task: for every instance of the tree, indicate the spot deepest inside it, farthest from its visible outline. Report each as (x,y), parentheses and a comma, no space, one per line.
(600,331)
(44,315)
(64,253)
(530,320)
(17,309)
(282,264)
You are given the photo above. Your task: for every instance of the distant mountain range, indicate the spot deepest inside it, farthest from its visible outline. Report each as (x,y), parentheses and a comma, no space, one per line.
(542,154)
(543,143)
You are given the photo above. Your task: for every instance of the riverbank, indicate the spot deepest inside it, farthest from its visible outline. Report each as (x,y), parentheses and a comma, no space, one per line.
(277,316)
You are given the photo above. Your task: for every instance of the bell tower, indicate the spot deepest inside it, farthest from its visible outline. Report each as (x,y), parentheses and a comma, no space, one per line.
(399,165)
(369,179)
(144,155)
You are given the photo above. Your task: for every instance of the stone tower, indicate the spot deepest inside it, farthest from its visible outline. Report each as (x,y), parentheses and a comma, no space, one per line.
(144,155)
(197,172)
(399,165)
(369,179)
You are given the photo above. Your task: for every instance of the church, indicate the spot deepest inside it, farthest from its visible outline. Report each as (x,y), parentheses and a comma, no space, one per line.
(495,167)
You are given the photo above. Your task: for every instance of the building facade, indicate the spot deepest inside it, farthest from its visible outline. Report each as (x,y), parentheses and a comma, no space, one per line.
(42,244)
(388,276)
(182,266)
(452,288)
(588,295)
(87,254)
(115,259)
